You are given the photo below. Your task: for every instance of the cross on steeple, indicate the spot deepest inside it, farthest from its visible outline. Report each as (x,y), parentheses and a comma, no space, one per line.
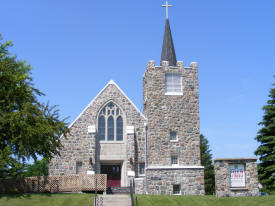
(168,51)
(167,6)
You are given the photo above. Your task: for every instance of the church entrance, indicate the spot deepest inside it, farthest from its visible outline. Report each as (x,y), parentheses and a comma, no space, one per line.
(113,174)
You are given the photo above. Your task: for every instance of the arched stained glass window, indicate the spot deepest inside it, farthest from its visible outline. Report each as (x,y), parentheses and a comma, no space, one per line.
(110,123)
(119,129)
(101,127)
(111,128)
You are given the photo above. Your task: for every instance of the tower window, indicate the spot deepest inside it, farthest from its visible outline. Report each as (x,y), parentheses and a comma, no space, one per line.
(174,160)
(78,167)
(176,189)
(173,136)
(110,123)
(173,84)
(142,168)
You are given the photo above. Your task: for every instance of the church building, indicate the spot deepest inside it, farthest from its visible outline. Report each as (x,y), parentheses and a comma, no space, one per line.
(159,148)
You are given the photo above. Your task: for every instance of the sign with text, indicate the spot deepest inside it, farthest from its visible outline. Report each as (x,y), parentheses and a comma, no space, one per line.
(237,175)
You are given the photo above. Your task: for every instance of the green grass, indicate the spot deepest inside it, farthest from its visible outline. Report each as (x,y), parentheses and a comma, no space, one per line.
(143,200)
(148,200)
(47,200)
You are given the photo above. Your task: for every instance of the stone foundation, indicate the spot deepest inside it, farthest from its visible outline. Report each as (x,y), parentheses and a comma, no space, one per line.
(139,186)
(224,186)
(161,181)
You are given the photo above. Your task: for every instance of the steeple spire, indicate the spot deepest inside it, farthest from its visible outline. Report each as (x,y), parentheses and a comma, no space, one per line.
(168,51)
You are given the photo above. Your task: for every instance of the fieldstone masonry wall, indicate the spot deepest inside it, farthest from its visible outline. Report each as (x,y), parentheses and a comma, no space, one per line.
(161,181)
(139,184)
(79,145)
(163,113)
(167,113)
(223,180)
(173,112)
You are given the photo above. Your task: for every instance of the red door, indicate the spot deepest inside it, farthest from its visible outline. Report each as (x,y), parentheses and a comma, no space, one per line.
(113,174)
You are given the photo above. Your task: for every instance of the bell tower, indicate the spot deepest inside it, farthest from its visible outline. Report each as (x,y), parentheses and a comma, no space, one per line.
(171,105)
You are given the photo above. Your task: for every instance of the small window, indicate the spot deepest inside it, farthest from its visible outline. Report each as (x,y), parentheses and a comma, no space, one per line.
(142,168)
(173,84)
(174,160)
(176,189)
(173,136)
(78,167)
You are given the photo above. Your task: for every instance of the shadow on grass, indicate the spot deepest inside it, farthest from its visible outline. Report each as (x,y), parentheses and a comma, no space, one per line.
(23,195)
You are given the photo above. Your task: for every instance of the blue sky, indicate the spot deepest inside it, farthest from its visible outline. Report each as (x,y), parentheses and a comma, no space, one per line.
(76,47)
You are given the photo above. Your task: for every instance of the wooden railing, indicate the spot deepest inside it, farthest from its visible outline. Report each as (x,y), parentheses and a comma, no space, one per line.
(53,184)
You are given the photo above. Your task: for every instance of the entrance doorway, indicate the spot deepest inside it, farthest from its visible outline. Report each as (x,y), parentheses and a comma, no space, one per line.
(113,174)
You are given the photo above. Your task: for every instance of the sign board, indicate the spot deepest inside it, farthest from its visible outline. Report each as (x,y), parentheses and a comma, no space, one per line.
(131,173)
(130,129)
(91,129)
(89,172)
(237,175)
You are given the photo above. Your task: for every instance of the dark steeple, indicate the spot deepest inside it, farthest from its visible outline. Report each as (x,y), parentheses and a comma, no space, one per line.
(168,51)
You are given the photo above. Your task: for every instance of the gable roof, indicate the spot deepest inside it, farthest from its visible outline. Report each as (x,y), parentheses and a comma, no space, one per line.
(111,82)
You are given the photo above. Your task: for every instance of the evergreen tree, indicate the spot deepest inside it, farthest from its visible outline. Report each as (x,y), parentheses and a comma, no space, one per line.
(266,150)
(28,129)
(206,161)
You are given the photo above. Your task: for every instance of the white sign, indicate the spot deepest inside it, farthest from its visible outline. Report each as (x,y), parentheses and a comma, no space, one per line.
(131,173)
(89,172)
(237,175)
(130,129)
(91,129)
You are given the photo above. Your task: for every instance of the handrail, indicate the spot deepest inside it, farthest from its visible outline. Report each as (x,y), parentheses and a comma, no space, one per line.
(132,192)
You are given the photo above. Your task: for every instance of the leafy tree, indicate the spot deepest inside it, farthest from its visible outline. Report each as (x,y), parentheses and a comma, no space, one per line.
(28,129)
(206,161)
(38,168)
(266,150)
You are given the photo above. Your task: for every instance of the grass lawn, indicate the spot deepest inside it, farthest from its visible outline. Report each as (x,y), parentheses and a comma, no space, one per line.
(148,200)
(47,200)
(143,200)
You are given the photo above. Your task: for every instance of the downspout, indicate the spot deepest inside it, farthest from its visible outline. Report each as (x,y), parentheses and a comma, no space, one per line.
(146,158)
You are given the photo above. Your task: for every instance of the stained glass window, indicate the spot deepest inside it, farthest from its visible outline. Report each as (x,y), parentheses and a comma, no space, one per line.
(110,123)
(101,128)
(119,129)
(111,128)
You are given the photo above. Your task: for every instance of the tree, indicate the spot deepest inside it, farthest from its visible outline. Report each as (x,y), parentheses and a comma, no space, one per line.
(28,129)
(266,150)
(38,168)
(206,161)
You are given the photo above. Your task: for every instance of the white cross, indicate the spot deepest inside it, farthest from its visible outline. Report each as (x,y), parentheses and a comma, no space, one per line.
(167,6)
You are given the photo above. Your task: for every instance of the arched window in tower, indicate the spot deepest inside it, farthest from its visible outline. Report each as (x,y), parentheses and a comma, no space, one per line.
(119,129)
(110,123)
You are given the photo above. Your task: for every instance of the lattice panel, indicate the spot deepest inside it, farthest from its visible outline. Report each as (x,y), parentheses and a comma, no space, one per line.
(66,183)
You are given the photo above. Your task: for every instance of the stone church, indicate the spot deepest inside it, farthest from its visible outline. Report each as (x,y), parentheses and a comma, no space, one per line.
(158,148)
